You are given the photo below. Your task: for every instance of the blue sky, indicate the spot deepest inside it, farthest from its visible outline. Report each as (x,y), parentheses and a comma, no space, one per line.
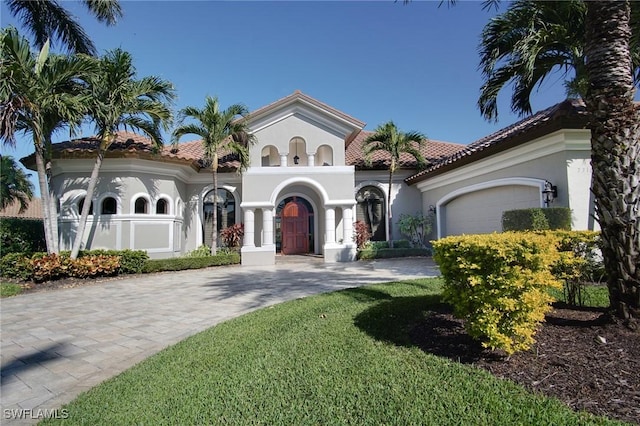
(415,64)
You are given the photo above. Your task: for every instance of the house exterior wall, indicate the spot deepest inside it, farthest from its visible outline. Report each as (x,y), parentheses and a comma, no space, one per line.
(560,158)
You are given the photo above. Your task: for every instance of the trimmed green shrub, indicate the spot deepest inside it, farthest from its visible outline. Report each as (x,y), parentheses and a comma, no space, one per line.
(16,266)
(536,219)
(53,266)
(21,236)
(182,263)
(369,253)
(524,220)
(499,284)
(404,244)
(377,245)
(558,217)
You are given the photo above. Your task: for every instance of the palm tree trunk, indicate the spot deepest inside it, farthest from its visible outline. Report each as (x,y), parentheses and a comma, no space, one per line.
(44,193)
(389,218)
(615,151)
(214,217)
(93,181)
(53,209)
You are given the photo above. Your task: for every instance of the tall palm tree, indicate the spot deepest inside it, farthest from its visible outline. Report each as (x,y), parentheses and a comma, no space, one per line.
(222,131)
(392,143)
(40,94)
(615,150)
(604,55)
(531,40)
(48,20)
(14,184)
(120,101)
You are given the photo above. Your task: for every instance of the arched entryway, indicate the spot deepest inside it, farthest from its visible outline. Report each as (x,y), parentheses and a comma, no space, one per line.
(294,226)
(226,213)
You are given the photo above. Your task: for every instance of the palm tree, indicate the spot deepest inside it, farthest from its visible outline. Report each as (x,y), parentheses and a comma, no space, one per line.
(604,56)
(40,94)
(119,101)
(14,184)
(222,132)
(615,150)
(393,143)
(528,42)
(48,20)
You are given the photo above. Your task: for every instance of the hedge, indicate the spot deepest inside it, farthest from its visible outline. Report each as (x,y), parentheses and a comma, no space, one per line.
(536,219)
(385,253)
(182,263)
(21,236)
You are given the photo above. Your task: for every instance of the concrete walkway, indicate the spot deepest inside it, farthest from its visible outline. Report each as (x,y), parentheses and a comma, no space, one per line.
(60,343)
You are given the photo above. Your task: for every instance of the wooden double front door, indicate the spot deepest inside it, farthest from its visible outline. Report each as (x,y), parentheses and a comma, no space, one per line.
(295,228)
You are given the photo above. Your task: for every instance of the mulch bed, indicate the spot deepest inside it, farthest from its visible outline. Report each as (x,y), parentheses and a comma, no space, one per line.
(580,357)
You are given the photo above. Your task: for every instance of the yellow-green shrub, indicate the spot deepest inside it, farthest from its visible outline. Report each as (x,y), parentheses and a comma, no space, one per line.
(499,284)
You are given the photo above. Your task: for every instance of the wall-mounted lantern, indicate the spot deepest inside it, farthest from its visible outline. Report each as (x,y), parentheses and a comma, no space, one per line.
(549,193)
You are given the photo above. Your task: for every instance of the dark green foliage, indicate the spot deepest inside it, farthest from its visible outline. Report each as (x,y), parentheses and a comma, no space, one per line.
(558,218)
(16,266)
(21,236)
(536,219)
(182,263)
(402,244)
(386,253)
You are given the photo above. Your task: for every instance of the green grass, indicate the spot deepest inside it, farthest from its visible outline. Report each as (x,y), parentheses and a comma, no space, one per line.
(9,289)
(596,296)
(334,359)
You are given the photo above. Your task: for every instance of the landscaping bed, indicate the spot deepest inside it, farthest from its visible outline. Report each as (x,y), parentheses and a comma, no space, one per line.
(569,361)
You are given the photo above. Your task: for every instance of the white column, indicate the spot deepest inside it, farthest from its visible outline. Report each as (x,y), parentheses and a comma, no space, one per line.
(249,228)
(330,225)
(267,227)
(283,160)
(311,159)
(347,225)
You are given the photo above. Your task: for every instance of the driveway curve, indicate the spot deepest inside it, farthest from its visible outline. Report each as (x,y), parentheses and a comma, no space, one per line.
(57,344)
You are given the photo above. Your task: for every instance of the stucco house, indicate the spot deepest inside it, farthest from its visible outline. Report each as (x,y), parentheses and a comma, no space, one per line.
(308,182)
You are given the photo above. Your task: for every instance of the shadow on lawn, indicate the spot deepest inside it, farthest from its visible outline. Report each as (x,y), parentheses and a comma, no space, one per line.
(425,322)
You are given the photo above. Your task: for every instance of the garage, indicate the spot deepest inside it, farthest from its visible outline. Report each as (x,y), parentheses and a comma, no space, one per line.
(480,212)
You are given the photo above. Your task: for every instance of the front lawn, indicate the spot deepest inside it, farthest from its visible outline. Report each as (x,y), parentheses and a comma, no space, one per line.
(9,289)
(340,358)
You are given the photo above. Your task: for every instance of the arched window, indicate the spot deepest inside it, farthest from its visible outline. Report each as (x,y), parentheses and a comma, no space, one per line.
(141,206)
(371,210)
(226,212)
(162,207)
(324,156)
(81,205)
(270,156)
(109,206)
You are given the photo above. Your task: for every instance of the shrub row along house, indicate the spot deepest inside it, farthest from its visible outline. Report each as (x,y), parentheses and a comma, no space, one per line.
(308,182)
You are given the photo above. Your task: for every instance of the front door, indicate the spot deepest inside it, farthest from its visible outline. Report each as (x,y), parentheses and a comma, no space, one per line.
(295,228)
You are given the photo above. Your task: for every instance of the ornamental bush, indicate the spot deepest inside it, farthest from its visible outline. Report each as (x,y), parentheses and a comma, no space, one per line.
(232,236)
(16,266)
(498,283)
(21,236)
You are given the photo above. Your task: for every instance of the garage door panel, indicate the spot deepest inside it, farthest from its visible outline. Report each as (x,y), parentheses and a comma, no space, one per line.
(480,212)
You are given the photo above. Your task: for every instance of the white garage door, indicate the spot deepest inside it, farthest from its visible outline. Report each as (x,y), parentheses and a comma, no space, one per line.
(480,212)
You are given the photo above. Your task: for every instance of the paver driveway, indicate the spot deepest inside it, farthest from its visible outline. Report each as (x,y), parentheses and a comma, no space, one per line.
(59,343)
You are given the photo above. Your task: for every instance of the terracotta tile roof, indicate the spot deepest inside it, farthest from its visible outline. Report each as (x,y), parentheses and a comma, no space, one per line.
(432,150)
(33,211)
(570,114)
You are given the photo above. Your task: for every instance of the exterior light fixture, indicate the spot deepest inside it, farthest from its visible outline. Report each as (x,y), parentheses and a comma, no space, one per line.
(432,209)
(296,159)
(549,193)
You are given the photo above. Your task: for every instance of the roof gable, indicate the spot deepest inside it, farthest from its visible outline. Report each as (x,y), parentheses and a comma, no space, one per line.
(308,108)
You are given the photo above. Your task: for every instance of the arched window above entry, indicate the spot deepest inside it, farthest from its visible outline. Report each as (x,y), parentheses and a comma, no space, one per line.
(324,156)
(297,152)
(141,206)
(371,210)
(270,156)
(162,206)
(109,206)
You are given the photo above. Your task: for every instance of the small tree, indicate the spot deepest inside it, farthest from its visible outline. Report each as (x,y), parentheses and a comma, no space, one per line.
(417,228)
(361,233)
